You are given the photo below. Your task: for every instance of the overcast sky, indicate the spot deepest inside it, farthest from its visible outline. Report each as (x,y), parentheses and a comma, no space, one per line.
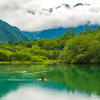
(31,15)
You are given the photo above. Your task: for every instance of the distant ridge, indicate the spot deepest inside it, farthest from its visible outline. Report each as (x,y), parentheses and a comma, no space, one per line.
(53,33)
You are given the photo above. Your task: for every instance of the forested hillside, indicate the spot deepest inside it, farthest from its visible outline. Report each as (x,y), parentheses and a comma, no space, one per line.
(8,32)
(69,48)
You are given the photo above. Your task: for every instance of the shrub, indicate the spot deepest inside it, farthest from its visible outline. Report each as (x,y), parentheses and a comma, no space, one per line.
(20,57)
(36,59)
(3,56)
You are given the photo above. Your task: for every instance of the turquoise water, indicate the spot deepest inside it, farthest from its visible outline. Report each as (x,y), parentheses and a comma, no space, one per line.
(64,82)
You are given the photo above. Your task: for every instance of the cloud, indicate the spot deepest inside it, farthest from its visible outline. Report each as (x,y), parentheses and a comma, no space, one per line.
(34,15)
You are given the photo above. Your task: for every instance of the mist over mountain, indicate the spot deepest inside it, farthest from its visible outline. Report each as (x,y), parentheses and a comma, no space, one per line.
(53,33)
(50,10)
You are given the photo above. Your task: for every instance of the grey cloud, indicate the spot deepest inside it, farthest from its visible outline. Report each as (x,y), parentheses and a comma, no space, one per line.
(10,7)
(29,15)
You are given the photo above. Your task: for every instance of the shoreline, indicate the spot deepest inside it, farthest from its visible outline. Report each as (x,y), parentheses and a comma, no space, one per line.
(46,62)
(51,62)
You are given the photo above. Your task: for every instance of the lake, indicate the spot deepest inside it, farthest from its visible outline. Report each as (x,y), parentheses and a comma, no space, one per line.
(62,82)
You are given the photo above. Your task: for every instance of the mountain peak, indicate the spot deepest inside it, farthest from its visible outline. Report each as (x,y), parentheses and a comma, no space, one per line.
(66,5)
(81,4)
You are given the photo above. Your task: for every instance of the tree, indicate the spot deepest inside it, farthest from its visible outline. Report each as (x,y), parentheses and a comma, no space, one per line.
(29,44)
(65,36)
(19,56)
(73,33)
(81,33)
(58,36)
(41,42)
(16,43)
(98,27)
(10,42)
(55,54)
(50,44)
(20,41)
(3,56)
(35,40)
(62,44)
(87,30)
(68,32)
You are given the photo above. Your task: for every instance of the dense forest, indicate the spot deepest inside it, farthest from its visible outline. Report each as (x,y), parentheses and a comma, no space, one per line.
(68,48)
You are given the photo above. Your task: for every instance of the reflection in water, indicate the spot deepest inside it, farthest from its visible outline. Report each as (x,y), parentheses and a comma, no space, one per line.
(23,82)
(35,93)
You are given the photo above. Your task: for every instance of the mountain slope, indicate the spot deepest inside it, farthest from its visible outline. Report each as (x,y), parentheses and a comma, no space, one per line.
(8,32)
(53,33)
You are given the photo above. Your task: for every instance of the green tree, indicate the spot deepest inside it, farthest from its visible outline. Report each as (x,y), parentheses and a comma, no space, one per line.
(62,43)
(3,56)
(19,56)
(81,33)
(15,43)
(87,30)
(50,44)
(68,32)
(58,36)
(98,27)
(10,42)
(65,36)
(73,33)
(20,41)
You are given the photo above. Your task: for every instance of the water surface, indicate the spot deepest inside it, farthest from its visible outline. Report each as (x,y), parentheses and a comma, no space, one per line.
(64,82)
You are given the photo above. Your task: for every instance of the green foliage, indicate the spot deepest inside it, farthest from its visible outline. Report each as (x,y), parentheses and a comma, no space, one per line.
(29,45)
(10,42)
(15,43)
(37,59)
(62,43)
(43,57)
(82,49)
(55,54)
(18,56)
(87,30)
(73,33)
(98,27)
(94,51)
(68,32)
(81,33)
(65,36)
(4,56)
(50,44)
(41,42)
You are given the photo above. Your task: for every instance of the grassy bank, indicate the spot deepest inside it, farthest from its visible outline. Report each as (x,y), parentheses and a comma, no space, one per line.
(45,62)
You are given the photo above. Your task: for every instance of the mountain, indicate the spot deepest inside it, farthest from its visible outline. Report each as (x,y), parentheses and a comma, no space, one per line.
(8,32)
(53,33)
(80,4)
(50,10)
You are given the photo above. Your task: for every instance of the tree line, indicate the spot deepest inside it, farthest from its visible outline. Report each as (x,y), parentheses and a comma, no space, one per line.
(70,48)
